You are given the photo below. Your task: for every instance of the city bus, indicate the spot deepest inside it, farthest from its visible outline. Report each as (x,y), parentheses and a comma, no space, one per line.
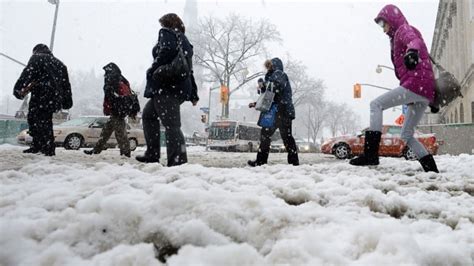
(234,136)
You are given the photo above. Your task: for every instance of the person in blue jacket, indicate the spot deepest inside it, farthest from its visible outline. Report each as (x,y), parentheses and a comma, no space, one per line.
(285,114)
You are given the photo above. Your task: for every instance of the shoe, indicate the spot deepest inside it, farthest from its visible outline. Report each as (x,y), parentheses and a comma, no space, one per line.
(254,163)
(428,163)
(31,150)
(146,159)
(293,159)
(371,150)
(90,152)
(52,153)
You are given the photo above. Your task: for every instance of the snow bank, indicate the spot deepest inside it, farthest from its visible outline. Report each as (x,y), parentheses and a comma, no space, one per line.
(106,210)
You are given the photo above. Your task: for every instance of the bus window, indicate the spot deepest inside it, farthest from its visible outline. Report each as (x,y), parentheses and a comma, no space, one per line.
(222,132)
(249,133)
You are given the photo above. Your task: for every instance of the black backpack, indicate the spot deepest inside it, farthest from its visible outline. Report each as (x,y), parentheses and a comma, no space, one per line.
(447,88)
(58,73)
(178,70)
(127,102)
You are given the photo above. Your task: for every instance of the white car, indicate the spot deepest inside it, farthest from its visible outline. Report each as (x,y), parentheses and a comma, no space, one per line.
(85,132)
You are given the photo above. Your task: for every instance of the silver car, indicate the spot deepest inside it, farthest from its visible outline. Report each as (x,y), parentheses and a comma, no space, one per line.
(85,132)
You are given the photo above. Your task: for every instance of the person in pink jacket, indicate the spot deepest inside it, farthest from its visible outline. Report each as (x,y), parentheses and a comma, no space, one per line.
(413,68)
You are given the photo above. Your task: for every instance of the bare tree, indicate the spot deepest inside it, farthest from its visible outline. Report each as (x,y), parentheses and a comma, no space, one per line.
(303,86)
(341,119)
(315,119)
(350,121)
(226,48)
(333,117)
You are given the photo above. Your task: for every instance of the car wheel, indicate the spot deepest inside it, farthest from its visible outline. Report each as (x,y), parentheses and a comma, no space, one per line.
(409,154)
(342,151)
(73,142)
(133,144)
(250,147)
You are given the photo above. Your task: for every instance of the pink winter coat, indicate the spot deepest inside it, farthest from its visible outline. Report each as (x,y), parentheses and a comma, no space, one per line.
(404,37)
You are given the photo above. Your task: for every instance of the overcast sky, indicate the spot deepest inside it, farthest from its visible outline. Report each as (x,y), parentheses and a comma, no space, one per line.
(337,40)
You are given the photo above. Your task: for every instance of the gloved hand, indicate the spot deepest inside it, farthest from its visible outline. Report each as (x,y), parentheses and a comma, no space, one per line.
(411,59)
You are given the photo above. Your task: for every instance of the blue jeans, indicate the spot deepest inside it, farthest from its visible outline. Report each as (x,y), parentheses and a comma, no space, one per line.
(416,107)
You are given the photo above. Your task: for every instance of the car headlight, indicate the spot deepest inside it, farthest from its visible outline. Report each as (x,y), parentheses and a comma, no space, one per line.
(306,148)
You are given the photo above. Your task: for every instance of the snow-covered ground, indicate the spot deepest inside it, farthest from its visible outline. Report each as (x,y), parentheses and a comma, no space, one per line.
(105,210)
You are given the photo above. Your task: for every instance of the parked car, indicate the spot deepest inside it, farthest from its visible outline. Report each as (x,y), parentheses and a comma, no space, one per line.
(391,144)
(277,146)
(303,146)
(306,147)
(85,132)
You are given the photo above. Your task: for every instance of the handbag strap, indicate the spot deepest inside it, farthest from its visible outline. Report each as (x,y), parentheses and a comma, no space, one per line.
(436,64)
(269,87)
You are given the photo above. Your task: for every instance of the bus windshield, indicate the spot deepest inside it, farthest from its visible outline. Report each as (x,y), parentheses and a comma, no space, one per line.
(222,131)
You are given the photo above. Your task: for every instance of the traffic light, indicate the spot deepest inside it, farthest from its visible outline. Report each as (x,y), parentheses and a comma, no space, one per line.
(357,91)
(204,119)
(224,94)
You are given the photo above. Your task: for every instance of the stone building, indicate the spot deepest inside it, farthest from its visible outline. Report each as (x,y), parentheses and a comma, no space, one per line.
(453,48)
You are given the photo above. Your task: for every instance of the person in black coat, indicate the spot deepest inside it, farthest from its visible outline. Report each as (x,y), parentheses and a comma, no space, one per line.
(284,116)
(46,78)
(167,96)
(113,81)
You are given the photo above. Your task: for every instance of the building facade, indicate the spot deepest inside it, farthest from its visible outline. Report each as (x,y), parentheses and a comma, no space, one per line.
(453,48)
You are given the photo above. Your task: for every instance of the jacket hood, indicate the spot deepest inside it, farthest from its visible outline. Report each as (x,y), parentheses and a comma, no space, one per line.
(112,68)
(277,64)
(41,49)
(393,16)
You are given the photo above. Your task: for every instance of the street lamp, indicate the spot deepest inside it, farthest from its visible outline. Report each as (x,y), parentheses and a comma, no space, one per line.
(209,107)
(379,68)
(209,115)
(53,33)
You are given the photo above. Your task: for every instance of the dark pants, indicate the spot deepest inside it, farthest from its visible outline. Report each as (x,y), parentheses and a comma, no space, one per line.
(167,110)
(284,125)
(41,130)
(117,125)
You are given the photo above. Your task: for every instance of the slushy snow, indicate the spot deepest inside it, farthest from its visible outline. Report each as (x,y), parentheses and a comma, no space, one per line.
(106,210)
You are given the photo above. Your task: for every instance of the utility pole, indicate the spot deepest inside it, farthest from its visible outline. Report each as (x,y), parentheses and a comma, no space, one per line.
(53,33)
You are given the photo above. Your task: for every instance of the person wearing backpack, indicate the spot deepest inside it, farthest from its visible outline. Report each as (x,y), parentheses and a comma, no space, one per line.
(117,104)
(170,82)
(417,88)
(282,114)
(47,79)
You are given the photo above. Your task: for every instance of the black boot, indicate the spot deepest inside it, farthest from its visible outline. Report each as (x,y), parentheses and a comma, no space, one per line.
(254,163)
(371,150)
(293,158)
(262,158)
(90,152)
(428,163)
(31,150)
(146,159)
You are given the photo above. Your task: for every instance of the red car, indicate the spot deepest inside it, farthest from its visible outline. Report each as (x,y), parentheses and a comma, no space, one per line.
(391,145)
